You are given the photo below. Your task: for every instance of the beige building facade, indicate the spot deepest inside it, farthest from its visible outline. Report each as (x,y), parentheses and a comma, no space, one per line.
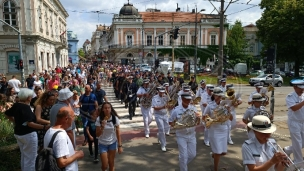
(42,24)
(132,34)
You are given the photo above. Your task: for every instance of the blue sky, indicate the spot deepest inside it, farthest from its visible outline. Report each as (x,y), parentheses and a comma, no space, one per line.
(83,17)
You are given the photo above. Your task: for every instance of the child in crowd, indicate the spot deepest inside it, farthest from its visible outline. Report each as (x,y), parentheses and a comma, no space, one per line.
(91,130)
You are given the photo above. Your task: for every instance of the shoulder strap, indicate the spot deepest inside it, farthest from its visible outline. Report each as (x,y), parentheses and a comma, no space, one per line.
(53,138)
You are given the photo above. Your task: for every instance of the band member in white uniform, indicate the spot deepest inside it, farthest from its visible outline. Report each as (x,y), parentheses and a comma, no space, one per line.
(232,123)
(146,112)
(185,89)
(257,153)
(160,112)
(218,132)
(295,104)
(223,84)
(257,101)
(201,90)
(186,139)
(206,99)
(259,89)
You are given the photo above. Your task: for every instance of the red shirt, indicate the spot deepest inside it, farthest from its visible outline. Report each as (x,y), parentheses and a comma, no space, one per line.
(58,70)
(52,83)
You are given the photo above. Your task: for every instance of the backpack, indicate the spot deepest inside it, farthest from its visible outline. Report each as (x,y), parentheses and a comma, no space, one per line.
(45,160)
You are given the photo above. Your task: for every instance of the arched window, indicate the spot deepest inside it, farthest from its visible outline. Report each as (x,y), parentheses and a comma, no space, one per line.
(129,55)
(149,55)
(10,13)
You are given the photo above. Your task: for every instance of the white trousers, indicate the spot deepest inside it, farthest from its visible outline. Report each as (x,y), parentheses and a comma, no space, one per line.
(163,128)
(147,118)
(296,130)
(206,130)
(28,145)
(187,151)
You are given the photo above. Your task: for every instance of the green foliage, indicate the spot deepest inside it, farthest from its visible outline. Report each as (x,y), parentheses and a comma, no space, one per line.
(282,24)
(81,52)
(236,43)
(6,131)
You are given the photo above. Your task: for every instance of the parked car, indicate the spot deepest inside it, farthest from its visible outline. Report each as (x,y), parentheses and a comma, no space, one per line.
(280,73)
(199,70)
(207,70)
(257,73)
(146,68)
(289,74)
(296,78)
(266,79)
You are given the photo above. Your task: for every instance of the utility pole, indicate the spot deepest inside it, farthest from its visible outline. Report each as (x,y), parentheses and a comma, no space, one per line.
(220,52)
(172,40)
(273,75)
(195,55)
(20,49)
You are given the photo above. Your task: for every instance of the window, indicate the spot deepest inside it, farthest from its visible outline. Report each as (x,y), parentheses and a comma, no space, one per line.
(171,40)
(51,22)
(213,38)
(192,40)
(160,40)
(9,13)
(182,41)
(46,22)
(149,40)
(40,18)
(70,48)
(129,40)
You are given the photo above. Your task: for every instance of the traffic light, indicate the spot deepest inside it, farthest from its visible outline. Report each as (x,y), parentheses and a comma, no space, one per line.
(17,64)
(175,36)
(156,63)
(270,54)
(20,63)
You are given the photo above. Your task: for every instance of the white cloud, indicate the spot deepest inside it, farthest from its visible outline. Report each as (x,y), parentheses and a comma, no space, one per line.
(83,17)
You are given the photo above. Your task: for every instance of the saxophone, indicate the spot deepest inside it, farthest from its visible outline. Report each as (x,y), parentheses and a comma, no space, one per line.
(146,102)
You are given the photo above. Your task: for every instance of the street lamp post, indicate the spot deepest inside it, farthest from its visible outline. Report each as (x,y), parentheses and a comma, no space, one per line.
(195,55)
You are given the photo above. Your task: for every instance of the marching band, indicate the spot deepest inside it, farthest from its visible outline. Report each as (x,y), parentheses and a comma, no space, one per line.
(171,102)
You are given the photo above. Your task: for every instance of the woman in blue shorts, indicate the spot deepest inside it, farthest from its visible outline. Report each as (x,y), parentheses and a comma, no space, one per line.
(108,133)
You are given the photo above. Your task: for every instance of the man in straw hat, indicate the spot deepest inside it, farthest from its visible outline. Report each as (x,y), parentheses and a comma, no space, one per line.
(295,104)
(63,100)
(258,153)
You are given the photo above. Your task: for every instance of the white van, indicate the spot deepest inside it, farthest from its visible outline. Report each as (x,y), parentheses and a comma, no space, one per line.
(240,68)
(178,66)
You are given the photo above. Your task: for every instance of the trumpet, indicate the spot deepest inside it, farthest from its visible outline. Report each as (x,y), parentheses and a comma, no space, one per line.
(291,168)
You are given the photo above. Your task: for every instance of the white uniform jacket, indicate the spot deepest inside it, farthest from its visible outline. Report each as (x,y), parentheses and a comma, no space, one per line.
(255,153)
(158,101)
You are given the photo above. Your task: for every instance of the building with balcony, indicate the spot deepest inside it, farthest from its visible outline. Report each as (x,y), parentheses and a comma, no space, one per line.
(72,45)
(132,33)
(42,25)
(99,44)
(254,45)
(86,48)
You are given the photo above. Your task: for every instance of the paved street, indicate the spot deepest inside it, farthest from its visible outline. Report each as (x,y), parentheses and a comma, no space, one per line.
(145,154)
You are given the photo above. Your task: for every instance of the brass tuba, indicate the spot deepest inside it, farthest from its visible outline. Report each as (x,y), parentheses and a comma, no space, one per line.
(263,112)
(146,102)
(173,94)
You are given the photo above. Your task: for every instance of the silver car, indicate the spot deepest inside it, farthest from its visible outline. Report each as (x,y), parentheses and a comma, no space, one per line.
(266,79)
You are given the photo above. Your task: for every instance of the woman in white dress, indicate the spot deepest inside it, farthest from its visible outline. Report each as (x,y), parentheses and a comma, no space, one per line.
(74,103)
(218,132)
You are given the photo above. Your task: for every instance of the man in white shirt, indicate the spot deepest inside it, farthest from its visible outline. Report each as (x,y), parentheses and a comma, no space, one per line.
(14,83)
(62,147)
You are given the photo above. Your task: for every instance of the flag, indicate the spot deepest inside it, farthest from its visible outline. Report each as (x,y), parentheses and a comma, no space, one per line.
(63,33)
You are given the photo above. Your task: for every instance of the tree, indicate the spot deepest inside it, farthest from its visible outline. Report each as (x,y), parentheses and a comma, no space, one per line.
(81,52)
(282,24)
(236,43)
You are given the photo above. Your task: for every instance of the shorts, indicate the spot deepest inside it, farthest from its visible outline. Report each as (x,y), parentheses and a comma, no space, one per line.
(105,148)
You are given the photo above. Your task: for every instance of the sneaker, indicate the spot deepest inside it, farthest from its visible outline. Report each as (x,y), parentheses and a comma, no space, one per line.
(147,136)
(211,158)
(207,144)
(230,142)
(168,134)
(96,160)
(164,149)
(91,155)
